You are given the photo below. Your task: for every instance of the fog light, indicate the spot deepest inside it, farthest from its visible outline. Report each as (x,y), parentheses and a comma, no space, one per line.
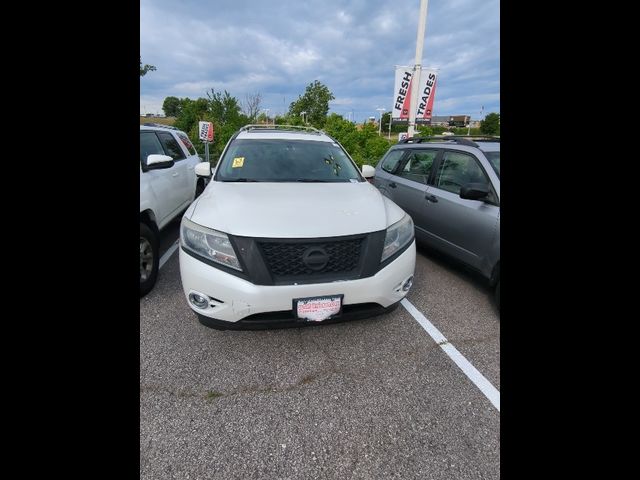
(407,284)
(200,301)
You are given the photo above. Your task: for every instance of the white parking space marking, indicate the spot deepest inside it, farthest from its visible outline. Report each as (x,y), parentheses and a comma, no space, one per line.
(470,371)
(168,253)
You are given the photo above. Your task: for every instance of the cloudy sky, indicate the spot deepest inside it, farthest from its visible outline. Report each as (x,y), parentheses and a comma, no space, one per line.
(276,48)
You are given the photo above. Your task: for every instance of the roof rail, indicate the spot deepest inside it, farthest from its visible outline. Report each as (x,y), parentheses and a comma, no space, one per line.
(479,138)
(160,125)
(469,140)
(261,126)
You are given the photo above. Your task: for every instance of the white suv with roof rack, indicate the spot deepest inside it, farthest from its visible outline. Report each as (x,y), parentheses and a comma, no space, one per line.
(289,232)
(168,184)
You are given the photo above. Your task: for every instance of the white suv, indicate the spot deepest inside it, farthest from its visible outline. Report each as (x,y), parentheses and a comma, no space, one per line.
(168,184)
(289,232)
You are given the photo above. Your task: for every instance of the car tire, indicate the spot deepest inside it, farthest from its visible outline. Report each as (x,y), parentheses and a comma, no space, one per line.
(498,294)
(149,261)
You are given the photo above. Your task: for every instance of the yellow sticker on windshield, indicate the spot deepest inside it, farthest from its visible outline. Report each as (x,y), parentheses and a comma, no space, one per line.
(238,162)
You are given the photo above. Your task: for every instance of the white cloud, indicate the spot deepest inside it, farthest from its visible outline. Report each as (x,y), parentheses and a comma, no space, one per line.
(340,102)
(278,48)
(150,105)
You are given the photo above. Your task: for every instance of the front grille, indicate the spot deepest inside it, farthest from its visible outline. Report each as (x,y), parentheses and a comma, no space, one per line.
(287,259)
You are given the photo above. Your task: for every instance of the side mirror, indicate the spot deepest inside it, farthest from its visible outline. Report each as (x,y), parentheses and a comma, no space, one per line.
(474,191)
(156,162)
(203,169)
(368,172)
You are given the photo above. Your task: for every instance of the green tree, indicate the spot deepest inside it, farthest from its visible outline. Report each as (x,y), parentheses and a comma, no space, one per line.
(252,105)
(386,118)
(286,119)
(171,106)
(424,131)
(491,124)
(315,102)
(338,127)
(467,130)
(191,111)
(373,145)
(346,133)
(224,108)
(364,145)
(439,129)
(146,68)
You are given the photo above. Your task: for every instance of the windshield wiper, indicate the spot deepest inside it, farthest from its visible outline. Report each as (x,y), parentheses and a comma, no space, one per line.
(241,180)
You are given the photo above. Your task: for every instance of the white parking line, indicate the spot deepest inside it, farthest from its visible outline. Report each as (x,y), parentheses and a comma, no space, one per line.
(168,253)
(470,371)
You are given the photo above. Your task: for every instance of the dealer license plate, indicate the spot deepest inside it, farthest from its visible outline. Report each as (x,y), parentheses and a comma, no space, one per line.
(317,309)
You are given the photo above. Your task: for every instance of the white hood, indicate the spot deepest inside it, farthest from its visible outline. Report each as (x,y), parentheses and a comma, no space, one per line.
(293,210)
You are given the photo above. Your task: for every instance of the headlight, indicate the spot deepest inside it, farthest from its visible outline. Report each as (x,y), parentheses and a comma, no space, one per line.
(399,235)
(207,243)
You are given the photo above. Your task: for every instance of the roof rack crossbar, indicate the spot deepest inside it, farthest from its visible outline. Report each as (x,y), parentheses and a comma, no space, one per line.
(261,126)
(469,140)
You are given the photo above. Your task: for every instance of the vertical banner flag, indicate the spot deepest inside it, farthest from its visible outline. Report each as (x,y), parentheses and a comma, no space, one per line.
(402,95)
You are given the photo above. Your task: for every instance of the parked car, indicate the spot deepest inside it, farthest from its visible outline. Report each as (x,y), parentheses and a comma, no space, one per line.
(288,232)
(451,188)
(168,184)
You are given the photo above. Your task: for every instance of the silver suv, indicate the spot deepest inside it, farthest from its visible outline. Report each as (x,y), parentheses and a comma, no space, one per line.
(451,188)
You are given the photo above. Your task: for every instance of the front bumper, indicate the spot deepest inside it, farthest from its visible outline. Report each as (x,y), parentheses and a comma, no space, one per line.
(233,298)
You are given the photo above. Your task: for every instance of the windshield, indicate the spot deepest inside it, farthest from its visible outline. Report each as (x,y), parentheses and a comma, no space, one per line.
(281,160)
(494,159)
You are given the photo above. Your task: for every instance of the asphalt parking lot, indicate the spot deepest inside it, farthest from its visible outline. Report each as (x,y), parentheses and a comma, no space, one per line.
(369,399)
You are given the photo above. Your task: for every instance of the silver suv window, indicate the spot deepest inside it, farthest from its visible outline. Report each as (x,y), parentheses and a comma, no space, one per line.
(458,169)
(418,165)
(390,162)
(284,160)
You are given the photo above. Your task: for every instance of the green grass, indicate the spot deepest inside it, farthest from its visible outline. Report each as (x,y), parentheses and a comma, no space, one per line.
(162,120)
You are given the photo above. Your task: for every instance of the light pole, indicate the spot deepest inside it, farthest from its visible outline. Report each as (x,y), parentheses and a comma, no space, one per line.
(415,79)
(380,124)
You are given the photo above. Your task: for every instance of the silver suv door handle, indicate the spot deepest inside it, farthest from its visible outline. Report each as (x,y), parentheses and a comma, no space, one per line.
(431,198)
(175,174)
